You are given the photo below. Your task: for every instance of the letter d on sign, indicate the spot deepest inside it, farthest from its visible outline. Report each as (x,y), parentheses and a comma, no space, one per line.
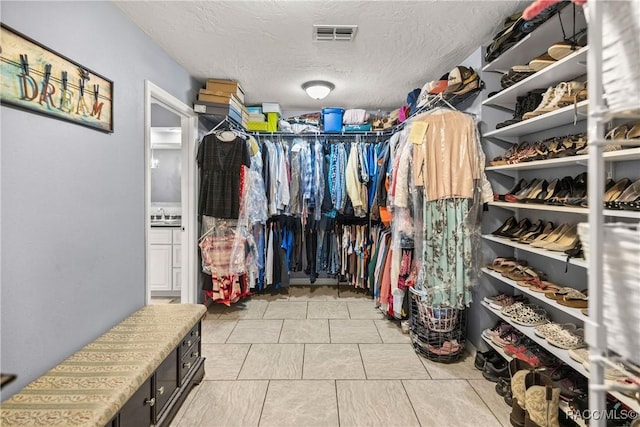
(29,87)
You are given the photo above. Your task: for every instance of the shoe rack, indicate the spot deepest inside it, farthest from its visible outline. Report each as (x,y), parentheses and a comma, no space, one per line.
(564,121)
(595,327)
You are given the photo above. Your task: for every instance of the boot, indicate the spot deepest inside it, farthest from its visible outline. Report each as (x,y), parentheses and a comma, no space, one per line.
(542,400)
(517,115)
(546,100)
(518,370)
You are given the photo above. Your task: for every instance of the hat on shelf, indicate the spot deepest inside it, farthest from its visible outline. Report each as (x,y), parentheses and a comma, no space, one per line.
(460,77)
(438,86)
(433,87)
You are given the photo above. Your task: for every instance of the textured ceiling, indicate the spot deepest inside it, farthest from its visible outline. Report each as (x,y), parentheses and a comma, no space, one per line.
(268,45)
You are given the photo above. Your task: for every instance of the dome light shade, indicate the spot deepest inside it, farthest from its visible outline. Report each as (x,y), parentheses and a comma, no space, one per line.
(318,89)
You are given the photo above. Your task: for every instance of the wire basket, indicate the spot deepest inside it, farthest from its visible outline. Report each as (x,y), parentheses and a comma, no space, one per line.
(620,53)
(438,334)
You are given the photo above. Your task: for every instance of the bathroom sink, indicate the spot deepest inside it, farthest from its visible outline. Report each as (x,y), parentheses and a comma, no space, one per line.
(165,221)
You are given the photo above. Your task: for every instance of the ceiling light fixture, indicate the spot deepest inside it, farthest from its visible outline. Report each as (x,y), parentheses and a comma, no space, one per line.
(318,89)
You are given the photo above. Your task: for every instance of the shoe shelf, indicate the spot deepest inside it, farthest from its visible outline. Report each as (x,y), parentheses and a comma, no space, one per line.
(568,68)
(564,407)
(528,331)
(610,156)
(559,117)
(566,209)
(536,42)
(541,207)
(576,313)
(560,256)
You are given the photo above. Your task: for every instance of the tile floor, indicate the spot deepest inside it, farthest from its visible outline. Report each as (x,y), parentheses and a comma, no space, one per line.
(311,358)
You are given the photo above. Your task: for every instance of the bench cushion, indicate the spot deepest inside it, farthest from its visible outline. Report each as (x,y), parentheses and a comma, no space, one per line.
(90,387)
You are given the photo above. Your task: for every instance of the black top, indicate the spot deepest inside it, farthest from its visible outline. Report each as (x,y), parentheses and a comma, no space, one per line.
(220,163)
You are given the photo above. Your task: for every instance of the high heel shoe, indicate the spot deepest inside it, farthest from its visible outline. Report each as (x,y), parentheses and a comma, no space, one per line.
(522,226)
(552,190)
(551,237)
(615,192)
(519,186)
(527,238)
(540,188)
(579,193)
(628,198)
(516,197)
(535,228)
(567,187)
(609,183)
(567,241)
(509,223)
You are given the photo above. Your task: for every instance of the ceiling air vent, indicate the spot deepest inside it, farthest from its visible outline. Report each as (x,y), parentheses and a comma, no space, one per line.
(344,33)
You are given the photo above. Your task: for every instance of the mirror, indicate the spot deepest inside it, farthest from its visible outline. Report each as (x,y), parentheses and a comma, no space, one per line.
(165,163)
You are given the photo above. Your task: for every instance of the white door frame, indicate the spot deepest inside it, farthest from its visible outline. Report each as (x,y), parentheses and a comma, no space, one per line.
(189,126)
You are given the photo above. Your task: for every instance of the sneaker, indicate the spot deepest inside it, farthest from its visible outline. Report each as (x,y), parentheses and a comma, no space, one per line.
(493,372)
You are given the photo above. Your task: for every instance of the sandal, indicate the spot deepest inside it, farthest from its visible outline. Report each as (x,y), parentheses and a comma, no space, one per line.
(513,337)
(498,262)
(575,299)
(512,309)
(550,329)
(530,316)
(566,339)
(538,285)
(559,293)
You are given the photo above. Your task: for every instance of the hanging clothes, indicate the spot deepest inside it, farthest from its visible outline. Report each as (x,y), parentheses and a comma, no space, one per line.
(220,163)
(449,165)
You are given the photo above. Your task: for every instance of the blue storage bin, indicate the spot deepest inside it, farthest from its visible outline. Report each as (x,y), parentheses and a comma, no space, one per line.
(332,119)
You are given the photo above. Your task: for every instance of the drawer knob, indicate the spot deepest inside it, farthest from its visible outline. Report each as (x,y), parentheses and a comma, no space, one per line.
(195,354)
(189,343)
(150,402)
(186,365)
(194,333)
(161,390)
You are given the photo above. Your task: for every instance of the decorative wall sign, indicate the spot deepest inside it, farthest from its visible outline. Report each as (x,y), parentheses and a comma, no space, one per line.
(35,78)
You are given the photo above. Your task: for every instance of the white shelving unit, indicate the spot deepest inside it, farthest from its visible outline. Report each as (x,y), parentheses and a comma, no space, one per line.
(528,331)
(553,119)
(610,156)
(565,209)
(599,114)
(594,110)
(564,407)
(532,45)
(573,64)
(559,256)
(576,313)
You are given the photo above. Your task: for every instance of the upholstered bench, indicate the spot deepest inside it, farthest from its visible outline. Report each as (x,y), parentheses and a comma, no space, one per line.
(137,374)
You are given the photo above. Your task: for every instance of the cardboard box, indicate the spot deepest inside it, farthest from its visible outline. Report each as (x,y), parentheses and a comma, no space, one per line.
(226,86)
(216,109)
(221,99)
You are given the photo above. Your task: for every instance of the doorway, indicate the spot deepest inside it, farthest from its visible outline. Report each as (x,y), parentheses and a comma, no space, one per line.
(170,198)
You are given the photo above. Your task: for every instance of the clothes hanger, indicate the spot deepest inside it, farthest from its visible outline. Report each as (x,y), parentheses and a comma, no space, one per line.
(225,120)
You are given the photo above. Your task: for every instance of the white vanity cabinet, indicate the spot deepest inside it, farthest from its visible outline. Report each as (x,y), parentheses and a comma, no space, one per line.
(165,263)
